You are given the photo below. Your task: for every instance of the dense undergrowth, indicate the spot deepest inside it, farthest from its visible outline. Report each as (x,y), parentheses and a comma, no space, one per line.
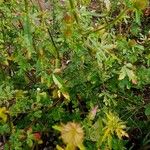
(74,74)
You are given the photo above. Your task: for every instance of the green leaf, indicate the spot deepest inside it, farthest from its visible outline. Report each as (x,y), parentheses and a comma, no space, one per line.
(96,130)
(110,141)
(138,17)
(56,127)
(81,147)
(30,142)
(131,74)
(122,74)
(57,81)
(59,147)
(147,110)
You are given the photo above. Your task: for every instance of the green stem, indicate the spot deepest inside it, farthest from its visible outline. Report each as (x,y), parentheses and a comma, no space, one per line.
(73,11)
(27,28)
(57,61)
(110,23)
(11,129)
(53,42)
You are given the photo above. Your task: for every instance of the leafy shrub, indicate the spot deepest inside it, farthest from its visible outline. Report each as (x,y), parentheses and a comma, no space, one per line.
(82,64)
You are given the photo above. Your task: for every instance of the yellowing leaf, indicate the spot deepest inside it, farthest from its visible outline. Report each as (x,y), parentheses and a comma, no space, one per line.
(81,147)
(3,114)
(108,4)
(70,147)
(92,113)
(59,147)
(73,134)
(113,125)
(59,93)
(58,70)
(134,81)
(56,81)
(140,4)
(122,74)
(130,74)
(128,70)
(1,1)
(59,128)
(66,95)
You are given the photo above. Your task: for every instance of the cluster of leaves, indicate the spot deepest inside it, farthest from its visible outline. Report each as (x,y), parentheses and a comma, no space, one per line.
(81,64)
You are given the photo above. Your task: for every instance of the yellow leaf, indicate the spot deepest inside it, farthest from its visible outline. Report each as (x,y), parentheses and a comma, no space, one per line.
(72,134)
(81,147)
(70,147)
(113,125)
(3,114)
(59,148)
(66,95)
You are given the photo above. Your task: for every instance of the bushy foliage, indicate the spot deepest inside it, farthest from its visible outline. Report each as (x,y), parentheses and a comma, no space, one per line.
(81,67)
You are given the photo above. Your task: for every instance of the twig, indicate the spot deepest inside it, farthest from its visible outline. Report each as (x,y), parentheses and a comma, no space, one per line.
(109,24)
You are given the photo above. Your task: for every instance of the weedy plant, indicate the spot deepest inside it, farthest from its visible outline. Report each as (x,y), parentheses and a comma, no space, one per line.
(80,67)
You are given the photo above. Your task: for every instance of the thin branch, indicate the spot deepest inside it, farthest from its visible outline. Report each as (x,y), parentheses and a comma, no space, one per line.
(73,11)
(51,37)
(109,24)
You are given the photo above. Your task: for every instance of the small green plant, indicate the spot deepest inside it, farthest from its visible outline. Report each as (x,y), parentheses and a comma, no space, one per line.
(82,65)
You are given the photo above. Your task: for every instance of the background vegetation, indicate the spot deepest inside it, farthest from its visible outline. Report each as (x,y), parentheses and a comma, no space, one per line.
(74,74)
